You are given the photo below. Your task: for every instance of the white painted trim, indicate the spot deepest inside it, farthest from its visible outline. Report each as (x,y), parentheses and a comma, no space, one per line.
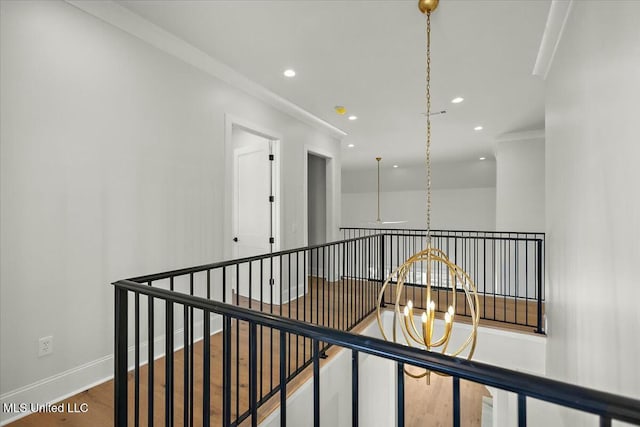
(230,121)
(75,380)
(331,193)
(556,21)
(91,374)
(521,136)
(124,19)
(286,298)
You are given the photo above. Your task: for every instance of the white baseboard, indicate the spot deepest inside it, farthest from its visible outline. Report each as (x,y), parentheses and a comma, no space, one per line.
(80,378)
(285,294)
(58,387)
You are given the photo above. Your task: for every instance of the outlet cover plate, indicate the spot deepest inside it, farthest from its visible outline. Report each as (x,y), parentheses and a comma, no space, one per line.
(45,346)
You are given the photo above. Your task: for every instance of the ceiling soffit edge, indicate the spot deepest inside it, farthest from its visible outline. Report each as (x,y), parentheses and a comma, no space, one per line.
(122,18)
(556,21)
(521,136)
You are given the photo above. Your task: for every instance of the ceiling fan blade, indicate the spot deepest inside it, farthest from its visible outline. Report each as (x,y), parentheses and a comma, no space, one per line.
(385,222)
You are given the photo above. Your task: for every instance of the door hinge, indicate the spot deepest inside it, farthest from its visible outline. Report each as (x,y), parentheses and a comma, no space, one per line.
(272,282)
(272,240)
(272,199)
(272,157)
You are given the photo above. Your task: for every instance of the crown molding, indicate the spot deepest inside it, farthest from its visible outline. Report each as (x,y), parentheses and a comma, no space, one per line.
(556,21)
(122,18)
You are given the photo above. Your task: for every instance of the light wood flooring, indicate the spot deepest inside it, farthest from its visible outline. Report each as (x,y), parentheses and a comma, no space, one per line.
(332,304)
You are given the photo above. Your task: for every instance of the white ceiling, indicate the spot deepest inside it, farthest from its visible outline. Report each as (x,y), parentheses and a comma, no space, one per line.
(370,57)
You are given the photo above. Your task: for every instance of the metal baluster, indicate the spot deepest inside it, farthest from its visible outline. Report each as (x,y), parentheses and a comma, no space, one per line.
(297,309)
(168,373)
(400,394)
(517,281)
(226,372)
(192,355)
(261,333)
(206,368)
(283,379)
(289,304)
(540,274)
(526,282)
(316,383)
(185,365)
(120,353)
(150,361)
(354,388)
(522,410)
(136,374)
(456,402)
(253,373)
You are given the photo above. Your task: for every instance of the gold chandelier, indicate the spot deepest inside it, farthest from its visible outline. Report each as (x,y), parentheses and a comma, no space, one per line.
(450,277)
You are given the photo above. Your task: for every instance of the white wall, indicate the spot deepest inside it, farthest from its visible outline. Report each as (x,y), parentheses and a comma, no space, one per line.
(463,196)
(444,175)
(520,182)
(452,209)
(112,165)
(592,199)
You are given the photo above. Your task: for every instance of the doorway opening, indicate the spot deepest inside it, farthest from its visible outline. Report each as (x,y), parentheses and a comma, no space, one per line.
(318,221)
(255,207)
(316,199)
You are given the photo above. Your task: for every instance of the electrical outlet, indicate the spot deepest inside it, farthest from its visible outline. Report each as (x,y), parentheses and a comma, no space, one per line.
(45,346)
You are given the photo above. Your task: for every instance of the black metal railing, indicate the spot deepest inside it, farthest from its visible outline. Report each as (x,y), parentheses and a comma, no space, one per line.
(334,285)
(208,393)
(506,267)
(326,285)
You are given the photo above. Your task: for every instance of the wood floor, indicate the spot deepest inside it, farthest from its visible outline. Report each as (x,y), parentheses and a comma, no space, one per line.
(518,314)
(332,304)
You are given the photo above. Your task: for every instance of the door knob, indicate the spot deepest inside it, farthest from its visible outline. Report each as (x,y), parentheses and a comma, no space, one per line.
(235,239)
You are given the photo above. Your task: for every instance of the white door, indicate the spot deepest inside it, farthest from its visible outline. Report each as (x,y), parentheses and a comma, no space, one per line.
(252,216)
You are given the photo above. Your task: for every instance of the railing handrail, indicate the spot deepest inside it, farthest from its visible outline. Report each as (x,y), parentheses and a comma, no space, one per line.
(553,391)
(441,231)
(383,232)
(235,261)
(511,239)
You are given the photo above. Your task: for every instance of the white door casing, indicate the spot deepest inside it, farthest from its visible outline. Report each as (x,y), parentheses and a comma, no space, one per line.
(253,219)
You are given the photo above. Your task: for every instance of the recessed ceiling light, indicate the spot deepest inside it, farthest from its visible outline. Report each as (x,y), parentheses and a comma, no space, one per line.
(351,145)
(483,158)
(457,100)
(395,166)
(478,128)
(289,73)
(353,117)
